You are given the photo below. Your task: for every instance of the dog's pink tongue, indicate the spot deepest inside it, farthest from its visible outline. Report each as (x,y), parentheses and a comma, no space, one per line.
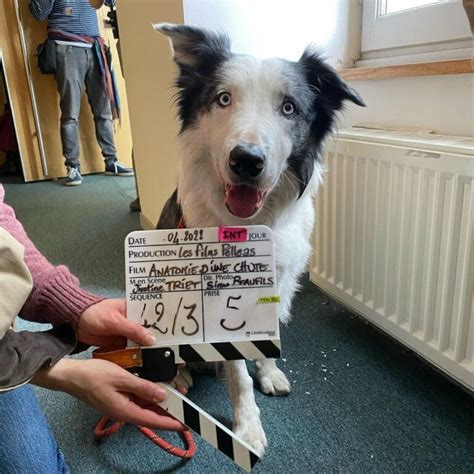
(242,200)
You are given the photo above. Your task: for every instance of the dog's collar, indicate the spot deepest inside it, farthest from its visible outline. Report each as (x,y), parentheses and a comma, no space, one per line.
(181,223)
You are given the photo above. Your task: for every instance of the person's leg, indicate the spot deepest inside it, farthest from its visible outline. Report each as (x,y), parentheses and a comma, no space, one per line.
(26,443)
(70,76)
(100,105)
(101,110)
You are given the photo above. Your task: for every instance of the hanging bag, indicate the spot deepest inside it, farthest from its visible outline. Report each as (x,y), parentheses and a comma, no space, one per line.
(46,53)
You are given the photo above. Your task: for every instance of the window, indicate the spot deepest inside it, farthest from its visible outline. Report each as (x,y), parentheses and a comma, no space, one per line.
(395,6)
(397,28)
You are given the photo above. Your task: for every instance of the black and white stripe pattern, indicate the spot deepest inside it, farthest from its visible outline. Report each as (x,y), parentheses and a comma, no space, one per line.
(221,351)
(71,16)
(211,430)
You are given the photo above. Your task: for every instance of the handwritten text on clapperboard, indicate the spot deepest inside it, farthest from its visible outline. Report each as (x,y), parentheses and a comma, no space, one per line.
(203,285)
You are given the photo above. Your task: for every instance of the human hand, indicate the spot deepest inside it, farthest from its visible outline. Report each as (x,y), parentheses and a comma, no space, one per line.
(113,391)
(105,324)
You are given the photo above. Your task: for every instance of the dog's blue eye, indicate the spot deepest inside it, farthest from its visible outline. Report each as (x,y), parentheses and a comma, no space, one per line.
(288,108)
(224,99)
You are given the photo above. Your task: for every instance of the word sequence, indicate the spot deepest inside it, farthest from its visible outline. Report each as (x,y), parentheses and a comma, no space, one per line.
(188,285)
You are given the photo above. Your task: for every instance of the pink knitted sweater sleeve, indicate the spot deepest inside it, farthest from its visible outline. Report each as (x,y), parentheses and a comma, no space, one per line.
(56,297)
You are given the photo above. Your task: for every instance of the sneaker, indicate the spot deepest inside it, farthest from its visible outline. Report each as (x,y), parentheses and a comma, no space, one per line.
(73,177)
(117,169)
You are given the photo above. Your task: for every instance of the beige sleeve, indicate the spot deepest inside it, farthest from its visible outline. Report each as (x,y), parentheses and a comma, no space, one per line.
(15,280)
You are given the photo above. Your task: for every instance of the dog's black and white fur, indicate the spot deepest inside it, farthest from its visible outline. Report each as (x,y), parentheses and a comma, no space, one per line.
(251,136)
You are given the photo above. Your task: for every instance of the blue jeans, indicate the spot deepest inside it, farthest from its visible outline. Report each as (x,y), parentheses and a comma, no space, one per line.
(26,443)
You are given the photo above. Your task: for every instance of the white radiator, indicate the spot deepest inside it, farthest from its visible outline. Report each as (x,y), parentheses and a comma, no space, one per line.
(394,239)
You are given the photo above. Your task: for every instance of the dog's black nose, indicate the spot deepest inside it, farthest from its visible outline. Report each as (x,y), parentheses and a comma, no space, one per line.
(246,161)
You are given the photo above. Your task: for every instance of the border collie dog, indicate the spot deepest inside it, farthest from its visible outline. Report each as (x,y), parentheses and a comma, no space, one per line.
(251,135)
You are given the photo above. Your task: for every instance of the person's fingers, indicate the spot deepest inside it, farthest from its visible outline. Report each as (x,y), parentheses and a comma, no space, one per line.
(131,330)
(167,421)
(150,419)
(143,392)
(143,389)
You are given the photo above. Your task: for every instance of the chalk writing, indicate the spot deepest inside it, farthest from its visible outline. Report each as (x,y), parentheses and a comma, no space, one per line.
(160,312)
(202,285)
(222,322)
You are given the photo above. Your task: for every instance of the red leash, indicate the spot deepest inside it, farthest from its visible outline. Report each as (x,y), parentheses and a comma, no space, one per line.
(102,431)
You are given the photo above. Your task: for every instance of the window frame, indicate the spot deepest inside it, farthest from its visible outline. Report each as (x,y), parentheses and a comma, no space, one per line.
(440,27)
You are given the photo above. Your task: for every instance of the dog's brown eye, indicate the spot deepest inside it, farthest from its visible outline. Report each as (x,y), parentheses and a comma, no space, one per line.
(224,99)
(288,108)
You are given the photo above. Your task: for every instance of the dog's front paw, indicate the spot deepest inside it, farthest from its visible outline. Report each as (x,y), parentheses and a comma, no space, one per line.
(252,432)
(183,380)
(273,382)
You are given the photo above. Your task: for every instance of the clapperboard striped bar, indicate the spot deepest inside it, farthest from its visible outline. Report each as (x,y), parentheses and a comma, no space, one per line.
(208,428)
(221,351)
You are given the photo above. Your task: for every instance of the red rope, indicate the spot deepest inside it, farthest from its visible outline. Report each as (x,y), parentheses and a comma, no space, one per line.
(102,431)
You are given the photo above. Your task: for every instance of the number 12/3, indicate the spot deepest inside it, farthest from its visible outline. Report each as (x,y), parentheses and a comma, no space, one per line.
(187,310)
(191,325)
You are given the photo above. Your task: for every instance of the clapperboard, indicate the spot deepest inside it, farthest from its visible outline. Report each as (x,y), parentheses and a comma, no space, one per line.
(208,295)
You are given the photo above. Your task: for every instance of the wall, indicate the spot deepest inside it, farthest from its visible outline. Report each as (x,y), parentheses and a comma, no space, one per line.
(444,103)
(282,28)
(150,73)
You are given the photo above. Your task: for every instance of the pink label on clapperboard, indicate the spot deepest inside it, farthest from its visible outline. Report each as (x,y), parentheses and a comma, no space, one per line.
(232,234)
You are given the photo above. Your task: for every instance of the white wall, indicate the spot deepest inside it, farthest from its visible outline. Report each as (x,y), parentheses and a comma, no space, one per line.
(283,28)
(444,103)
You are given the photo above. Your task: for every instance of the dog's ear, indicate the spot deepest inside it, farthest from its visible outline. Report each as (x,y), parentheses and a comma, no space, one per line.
(194,47)
(330,93)
(330,89)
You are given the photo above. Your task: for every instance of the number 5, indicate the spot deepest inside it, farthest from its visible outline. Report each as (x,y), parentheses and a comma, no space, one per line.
(232,307)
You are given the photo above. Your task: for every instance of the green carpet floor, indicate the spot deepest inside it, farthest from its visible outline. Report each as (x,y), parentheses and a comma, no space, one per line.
(360,402)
